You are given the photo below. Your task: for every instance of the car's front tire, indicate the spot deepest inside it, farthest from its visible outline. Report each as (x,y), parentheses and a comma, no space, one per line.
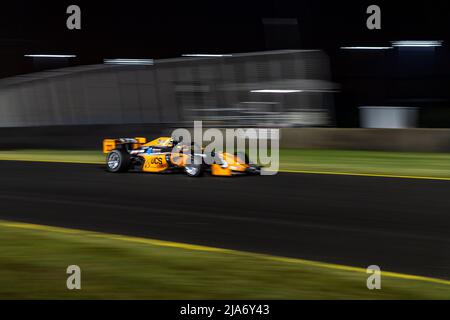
(117,161)
(193,169)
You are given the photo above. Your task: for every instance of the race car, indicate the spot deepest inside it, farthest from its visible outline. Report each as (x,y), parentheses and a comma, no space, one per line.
(166,154)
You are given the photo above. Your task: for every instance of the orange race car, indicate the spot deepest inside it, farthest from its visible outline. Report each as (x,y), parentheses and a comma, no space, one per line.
(168,155)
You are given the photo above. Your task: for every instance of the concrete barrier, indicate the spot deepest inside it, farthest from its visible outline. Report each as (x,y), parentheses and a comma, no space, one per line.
(413,140)
(91,136)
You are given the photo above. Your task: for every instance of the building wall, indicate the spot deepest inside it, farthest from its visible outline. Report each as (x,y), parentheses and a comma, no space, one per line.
(411,140)
(171,91)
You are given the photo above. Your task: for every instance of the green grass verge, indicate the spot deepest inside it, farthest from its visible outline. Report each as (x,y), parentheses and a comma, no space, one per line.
(33,266)
(83,156)
(372,162)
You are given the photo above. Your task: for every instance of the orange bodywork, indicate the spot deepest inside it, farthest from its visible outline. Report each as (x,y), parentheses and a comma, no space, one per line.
(154,163)
(160,142)
(234,165)
(228,165)
(108,145)
(217,170)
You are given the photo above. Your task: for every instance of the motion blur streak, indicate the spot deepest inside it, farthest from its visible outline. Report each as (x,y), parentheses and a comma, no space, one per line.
(186,246)
(216,90)
(280,170)
(399,224)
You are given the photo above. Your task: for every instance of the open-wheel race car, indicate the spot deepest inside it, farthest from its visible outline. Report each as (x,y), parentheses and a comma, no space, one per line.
(165,154)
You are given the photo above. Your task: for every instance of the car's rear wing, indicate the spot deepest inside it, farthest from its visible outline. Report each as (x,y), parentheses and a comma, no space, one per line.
(111,144)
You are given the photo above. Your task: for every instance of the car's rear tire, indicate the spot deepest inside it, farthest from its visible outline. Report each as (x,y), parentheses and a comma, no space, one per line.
(193,169)
(117,161)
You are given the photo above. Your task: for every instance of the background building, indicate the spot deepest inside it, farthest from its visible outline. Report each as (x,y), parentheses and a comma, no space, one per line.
(275,88)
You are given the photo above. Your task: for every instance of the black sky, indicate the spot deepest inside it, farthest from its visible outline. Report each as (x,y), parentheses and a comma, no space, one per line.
(164,29)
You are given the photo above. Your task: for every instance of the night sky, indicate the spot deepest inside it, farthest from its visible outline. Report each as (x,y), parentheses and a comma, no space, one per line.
(164,29)
(167,29)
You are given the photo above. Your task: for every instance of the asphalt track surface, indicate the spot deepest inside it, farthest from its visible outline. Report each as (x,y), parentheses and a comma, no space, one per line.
(401,225)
